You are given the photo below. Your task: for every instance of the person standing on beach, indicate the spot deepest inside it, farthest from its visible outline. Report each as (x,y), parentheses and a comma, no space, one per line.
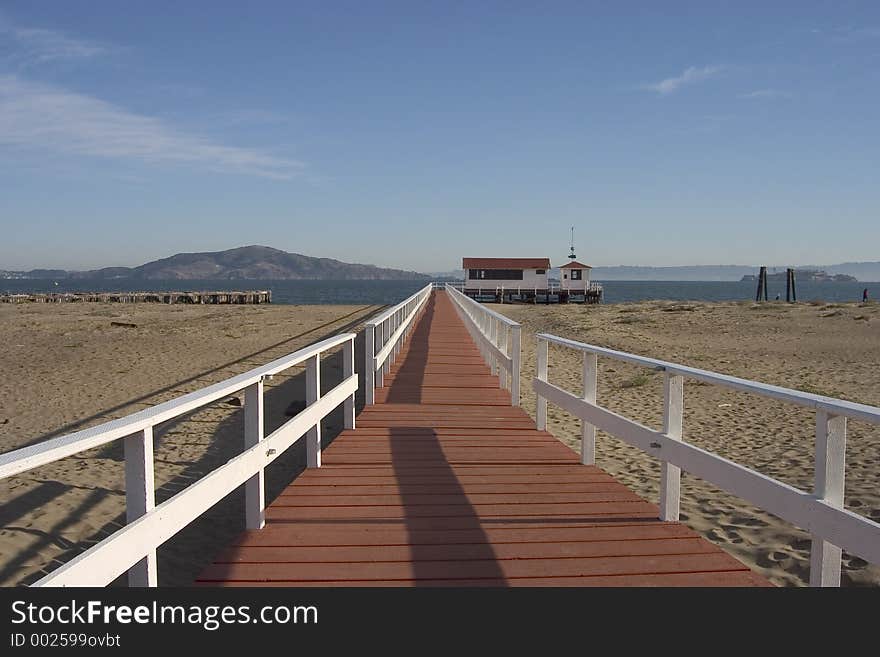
(865,295)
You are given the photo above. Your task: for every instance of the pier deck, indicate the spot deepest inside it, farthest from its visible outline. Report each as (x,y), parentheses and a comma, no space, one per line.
(444,483)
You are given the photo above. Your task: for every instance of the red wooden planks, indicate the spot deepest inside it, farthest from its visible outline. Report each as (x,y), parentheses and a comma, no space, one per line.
(474,568)
(444,483)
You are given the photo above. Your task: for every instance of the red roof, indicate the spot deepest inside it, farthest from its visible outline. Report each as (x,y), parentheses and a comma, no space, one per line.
(505,263)
(574,264)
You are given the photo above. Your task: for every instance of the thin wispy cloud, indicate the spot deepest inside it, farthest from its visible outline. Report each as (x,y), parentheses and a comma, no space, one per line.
(765,93)
(50,119)
(25,46)
(46,45)
(690,75)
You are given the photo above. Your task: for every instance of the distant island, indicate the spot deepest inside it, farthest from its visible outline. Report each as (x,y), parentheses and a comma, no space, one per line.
(244,263)
(863,271)
(815,275)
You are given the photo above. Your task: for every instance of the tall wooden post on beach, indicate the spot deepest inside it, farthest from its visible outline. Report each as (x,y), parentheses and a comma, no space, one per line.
(762,285)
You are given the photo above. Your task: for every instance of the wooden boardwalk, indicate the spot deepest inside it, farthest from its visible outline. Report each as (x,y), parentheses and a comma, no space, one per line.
(444,483)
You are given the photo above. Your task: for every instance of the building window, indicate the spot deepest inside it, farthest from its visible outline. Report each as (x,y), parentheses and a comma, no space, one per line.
(540,271)
(496,274)
(577,274)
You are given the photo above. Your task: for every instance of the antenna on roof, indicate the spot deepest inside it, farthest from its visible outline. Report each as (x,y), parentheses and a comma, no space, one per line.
(571,255)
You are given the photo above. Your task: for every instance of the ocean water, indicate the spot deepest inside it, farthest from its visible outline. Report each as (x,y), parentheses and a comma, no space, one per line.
(627,291)
(385,292)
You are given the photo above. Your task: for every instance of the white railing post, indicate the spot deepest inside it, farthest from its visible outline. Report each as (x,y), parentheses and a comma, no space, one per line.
(140,498)
(541,402)
(380,342)
(830,473)
(504,337)
(496,338)
(588,431)
(670,475)
(386,337)
(515,353)
(254,488)
(370,364)
(313,394)
(493,336)
(347,371)
(394,324)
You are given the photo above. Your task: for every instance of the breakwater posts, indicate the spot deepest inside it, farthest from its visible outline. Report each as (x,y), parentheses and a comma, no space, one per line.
(215,297)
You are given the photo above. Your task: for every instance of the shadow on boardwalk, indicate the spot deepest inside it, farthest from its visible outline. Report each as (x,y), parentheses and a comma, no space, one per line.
(410,374)
(411,447)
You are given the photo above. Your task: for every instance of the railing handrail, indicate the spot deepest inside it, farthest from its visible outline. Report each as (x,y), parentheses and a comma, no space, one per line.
(384,335)
(476,304)
(133,547)
(822,512)
(385,314)
(41,453)
(852,410)
(497,337)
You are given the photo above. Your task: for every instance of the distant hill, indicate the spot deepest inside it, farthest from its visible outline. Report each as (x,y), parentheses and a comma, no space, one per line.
(815,275)
(247,262)
(263,262)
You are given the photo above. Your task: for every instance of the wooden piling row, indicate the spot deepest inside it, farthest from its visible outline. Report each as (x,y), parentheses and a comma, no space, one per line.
(213,297)
(530,295)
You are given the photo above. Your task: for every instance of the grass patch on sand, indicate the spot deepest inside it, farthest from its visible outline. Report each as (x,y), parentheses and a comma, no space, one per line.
(636,382)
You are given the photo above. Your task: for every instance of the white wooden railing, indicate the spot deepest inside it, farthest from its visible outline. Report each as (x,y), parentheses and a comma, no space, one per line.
(497,337)
(133,548)
(821,513)
(384,336)
(441,285)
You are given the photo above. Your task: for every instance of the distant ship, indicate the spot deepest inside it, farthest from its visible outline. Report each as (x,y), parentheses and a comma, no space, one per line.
(815,275)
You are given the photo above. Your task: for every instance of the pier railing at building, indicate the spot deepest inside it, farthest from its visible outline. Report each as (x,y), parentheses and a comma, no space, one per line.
(821,512)
(384,336)
(497,337)
(133,548)
(441,285)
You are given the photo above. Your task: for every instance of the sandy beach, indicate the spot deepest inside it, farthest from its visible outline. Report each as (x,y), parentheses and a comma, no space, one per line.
(830,349)
(66,367)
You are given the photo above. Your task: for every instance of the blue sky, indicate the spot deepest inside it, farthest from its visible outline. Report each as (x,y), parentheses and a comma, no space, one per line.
(410,134)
